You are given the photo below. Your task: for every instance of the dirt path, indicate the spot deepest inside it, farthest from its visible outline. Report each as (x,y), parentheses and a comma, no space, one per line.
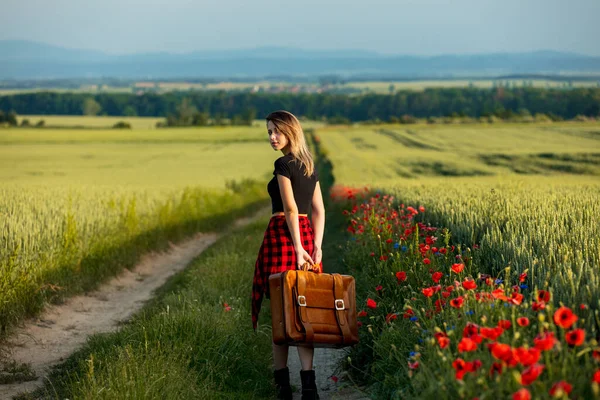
(324,362)
(46,341)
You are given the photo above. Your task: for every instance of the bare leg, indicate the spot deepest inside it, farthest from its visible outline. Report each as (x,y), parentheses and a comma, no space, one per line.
(306,357)
(280,355)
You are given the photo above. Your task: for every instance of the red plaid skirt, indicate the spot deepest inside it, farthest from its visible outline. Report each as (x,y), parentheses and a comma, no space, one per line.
(277,254)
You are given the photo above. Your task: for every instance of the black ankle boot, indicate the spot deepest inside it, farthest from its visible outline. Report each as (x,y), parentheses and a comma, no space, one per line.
(282,381)
(309,386)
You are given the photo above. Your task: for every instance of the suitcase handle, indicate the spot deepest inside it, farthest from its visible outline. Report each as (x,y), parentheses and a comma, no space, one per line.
(312,268)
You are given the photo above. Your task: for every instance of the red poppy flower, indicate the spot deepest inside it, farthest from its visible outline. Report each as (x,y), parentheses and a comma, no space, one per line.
(499,294)
(413,365)
(443,250)
(383,258)
(491,333)
(564,317)
(501,351)
(378,288)
(457,302)
(461,367)
(560,387)
(466,345)
(522,394)
(523,277)
(531,373)
(575,337)
(596,354)
(470,329)
(469,284)
(543,295)
(371,303)
(523,321)
(421,208)
(537,306)
(446,294)
(362,313)
(359,324)
(596,377)
(504,324)
(427,292)
(516,298)
(436,276)
(458,268)
(544,341)
(408,313)
(390,317)
(426,261)
(442,339)
(401,276)
(527,356)
(496,368)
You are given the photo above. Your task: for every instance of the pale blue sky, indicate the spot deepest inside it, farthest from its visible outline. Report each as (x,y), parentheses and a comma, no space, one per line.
(423,27)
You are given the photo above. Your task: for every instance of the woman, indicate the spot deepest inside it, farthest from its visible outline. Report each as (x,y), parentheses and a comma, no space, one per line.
(290,239)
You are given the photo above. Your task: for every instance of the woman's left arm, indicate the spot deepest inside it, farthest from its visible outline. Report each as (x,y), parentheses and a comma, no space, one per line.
(318,222)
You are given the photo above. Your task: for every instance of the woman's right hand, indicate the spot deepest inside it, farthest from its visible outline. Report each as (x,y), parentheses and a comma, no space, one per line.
(302,257)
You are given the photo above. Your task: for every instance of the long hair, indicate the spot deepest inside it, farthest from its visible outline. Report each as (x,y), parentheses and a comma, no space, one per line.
(288,124)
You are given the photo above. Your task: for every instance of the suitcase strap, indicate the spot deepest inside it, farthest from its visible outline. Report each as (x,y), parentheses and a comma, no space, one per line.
(340,315)
(301,285)
(339,305)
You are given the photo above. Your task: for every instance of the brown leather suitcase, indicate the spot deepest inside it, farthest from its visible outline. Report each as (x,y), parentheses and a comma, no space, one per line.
(310,309)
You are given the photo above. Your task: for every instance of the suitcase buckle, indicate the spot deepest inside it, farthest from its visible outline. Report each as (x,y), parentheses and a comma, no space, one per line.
(338,306)
(302,301)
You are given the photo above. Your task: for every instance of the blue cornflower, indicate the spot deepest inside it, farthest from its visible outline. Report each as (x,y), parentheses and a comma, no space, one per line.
(470,312)
(413,319)
(420,340)
(524,286)
(404,248)
(498,281)
(396,245)
(352,238)
(506,304)
(412,353)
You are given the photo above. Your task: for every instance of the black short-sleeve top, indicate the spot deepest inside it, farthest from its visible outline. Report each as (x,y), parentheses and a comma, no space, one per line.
(302,186)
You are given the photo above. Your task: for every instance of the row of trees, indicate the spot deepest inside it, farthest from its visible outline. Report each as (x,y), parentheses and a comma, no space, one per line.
(187,114)
(438,102)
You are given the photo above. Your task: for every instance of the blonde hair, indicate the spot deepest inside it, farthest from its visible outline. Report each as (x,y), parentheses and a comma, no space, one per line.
(290,127)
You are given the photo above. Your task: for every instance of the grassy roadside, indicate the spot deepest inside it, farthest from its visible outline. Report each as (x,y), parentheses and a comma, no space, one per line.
(186,343)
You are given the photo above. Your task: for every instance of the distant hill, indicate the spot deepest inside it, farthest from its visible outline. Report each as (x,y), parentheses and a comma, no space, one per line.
(32,60)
